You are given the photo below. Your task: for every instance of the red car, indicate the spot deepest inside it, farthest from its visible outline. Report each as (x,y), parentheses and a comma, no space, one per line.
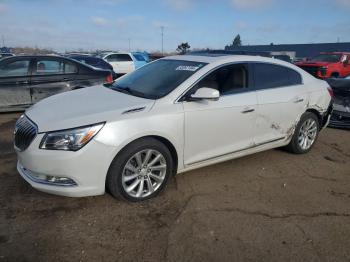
(326,65)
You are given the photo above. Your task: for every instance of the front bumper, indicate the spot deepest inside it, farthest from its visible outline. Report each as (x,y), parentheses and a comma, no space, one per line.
(87,167)
(340,119)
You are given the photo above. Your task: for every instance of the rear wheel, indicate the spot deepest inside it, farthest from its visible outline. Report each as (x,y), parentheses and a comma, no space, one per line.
(140,171)
(335,75)
(305,134)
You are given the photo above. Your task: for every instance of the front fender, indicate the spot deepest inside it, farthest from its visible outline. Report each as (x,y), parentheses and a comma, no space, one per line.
(119,134)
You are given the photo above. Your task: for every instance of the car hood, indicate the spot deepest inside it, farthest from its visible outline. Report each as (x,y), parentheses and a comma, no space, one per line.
(83,107)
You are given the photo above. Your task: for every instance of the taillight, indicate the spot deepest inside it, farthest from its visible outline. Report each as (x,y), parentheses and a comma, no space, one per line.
(109,79)
(330,91)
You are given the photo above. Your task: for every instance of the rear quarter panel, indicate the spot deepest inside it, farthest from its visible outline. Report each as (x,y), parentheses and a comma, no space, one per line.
(319,97)
(88,77)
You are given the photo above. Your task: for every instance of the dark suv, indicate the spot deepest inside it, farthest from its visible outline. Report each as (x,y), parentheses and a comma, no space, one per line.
(24,80)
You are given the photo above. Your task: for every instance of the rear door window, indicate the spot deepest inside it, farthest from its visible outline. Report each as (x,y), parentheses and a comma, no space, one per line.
(112,58)
(53,67)
(119,58)
(124,58)
(294,77)
(271,76)
(70,68)
(14,68)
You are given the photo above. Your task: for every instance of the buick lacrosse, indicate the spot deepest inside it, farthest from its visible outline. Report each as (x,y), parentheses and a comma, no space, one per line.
(170,116)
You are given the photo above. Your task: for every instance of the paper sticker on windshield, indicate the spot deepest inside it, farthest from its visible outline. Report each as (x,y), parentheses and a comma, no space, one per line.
(187,68)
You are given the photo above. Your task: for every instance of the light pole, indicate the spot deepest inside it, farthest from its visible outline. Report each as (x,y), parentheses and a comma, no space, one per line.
(162,32)
(129,44)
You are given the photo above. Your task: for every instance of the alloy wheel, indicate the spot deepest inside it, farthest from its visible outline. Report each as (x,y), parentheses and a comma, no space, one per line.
(307,134)
(144,173)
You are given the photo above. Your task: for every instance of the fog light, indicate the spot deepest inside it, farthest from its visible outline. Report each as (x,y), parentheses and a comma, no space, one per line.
(60,180)
(47,179)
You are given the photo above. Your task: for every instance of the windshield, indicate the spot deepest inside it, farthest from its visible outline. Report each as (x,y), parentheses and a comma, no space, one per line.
(156,79)
(332,58)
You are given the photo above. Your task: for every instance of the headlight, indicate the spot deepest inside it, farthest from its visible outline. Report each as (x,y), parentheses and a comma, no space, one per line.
(70,139)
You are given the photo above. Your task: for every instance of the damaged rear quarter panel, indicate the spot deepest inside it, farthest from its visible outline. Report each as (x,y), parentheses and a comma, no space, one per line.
(319,97)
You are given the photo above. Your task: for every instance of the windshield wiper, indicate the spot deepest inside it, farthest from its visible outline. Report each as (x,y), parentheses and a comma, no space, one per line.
(128,90)
(124,89)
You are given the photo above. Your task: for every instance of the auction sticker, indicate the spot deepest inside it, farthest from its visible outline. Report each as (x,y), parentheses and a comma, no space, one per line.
(187,68)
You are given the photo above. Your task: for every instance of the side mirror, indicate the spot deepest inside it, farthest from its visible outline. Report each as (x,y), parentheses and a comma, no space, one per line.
(346,63)
(206,93)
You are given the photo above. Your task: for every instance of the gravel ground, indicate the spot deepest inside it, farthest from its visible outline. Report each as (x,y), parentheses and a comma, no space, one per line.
(271,206)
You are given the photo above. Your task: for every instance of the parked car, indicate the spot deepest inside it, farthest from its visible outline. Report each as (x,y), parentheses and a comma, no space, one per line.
(145,55)
(3,55)
(299,59)
(170,116)
(25,80)
(94,62)
(285,58)
(124,63)
(326,65)
(341,114)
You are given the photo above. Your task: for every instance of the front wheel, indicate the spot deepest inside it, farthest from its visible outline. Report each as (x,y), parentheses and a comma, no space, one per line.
(305,134)
(140,171)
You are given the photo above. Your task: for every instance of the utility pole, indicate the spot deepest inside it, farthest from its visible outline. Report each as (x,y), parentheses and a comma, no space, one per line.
(3,40)
(129,44)
(162,32)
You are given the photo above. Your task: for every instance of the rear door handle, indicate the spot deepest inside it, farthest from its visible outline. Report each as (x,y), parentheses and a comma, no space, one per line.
(247,110)
(22,82)
(298,100)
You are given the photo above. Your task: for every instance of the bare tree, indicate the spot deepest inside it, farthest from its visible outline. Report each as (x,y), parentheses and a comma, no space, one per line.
(183,48)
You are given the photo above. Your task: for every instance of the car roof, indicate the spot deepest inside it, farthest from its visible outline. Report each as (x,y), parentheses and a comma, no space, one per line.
(224,58)
(46,56)
(217,60)
(116,53)
(88,56)
(34,56)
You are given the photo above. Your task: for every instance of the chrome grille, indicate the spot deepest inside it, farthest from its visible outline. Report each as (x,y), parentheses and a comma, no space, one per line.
(25,132)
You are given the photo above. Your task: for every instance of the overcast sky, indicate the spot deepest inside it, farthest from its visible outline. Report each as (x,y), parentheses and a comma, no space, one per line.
(108,24)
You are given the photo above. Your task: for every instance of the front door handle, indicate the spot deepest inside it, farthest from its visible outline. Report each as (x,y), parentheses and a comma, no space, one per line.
(247,110)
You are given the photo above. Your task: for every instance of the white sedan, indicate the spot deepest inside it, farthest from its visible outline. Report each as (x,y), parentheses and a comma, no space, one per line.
(170,116)
(124,63)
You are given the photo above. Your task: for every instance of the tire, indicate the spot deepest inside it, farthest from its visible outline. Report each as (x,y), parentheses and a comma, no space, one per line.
(335,75)
(126,172)
(296,145)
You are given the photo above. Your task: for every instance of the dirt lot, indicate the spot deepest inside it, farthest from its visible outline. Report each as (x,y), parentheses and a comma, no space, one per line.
(271,206)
